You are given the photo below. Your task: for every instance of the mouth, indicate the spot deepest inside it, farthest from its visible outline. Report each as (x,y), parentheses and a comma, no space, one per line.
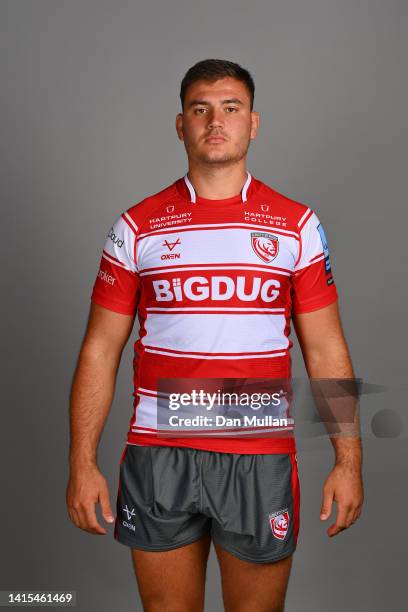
(215,139)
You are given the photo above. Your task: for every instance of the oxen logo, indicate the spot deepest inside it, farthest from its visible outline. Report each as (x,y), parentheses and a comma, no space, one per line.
(266,246)
(171,245)
(129,513)
(279,522)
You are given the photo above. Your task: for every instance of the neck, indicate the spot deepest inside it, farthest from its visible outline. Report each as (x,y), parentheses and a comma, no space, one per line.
(217,183)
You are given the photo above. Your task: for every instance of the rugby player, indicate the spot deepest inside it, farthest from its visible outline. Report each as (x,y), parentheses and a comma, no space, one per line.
(216,266)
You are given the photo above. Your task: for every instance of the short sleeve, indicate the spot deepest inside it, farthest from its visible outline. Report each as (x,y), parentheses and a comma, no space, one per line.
(313,285)
(117,281)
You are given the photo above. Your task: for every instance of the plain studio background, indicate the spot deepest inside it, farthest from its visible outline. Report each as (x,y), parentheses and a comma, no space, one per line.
(89,96)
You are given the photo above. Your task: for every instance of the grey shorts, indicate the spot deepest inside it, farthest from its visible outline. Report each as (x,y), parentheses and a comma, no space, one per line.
(171,496)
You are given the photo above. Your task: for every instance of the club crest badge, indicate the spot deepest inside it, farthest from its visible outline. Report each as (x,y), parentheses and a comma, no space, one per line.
(279,522)
(266,246)
(170,208)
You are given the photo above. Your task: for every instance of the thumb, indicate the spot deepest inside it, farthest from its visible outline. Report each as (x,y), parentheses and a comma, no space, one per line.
(106,505)
(326,508)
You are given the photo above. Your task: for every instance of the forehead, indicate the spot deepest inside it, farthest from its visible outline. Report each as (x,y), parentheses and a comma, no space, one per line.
(224,88)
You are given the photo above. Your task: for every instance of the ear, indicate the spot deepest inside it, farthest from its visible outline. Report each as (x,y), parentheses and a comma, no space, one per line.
(255,118)
(179,126)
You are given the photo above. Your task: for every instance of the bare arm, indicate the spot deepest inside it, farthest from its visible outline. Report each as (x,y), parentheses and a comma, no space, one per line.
(94,380)
(326,355)
(90,400)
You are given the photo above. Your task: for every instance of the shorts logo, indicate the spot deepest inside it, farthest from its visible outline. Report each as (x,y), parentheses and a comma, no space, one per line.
(130,514)
(265,207)
(279,522)
(266,246)
(170,208)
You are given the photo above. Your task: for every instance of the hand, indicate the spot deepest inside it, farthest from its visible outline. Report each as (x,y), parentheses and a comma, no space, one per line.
(343,485)
(86,487)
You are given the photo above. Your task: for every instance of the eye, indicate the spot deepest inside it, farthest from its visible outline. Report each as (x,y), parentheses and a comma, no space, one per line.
(231,108)
(197,111)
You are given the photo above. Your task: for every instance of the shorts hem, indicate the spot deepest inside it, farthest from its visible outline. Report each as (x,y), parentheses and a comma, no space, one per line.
(128,542)
(243,557)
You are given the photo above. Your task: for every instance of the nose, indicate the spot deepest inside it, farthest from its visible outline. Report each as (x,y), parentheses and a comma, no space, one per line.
(215,119)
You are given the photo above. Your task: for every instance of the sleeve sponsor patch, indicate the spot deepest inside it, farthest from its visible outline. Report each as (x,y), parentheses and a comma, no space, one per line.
(325,253)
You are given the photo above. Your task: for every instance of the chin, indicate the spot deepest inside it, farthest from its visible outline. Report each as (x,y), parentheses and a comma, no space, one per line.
(217,159)
(216,155)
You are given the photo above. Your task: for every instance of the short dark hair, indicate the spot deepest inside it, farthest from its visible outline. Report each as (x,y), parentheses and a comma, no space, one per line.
(212,70)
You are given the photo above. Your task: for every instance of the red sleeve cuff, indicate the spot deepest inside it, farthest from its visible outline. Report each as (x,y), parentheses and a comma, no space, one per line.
(111,305)
(317,303)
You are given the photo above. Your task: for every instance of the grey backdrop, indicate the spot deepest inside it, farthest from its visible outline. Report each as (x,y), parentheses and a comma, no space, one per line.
(89,96)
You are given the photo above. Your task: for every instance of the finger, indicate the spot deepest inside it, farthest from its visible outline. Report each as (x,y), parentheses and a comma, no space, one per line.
(89,521)
(356,514)
(106,508)
(326,508)
(335,529)
(341,520)
(93,525)
(77,517)
(73,515)
(350,518)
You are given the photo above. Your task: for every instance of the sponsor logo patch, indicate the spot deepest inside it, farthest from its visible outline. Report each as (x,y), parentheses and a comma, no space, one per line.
(107,278)
(327,264)
(279,522)
(115,239)
(171,245)
(198,288)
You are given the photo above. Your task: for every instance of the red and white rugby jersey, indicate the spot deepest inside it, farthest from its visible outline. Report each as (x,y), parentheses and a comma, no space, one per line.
(214,283)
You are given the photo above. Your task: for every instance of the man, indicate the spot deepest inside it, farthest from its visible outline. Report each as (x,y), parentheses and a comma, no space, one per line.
(215,264)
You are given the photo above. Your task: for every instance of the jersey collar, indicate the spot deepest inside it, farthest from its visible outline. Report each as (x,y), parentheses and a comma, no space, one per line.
(194,197)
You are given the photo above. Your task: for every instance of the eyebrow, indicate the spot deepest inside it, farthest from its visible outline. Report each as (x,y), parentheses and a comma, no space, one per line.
(205,103)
